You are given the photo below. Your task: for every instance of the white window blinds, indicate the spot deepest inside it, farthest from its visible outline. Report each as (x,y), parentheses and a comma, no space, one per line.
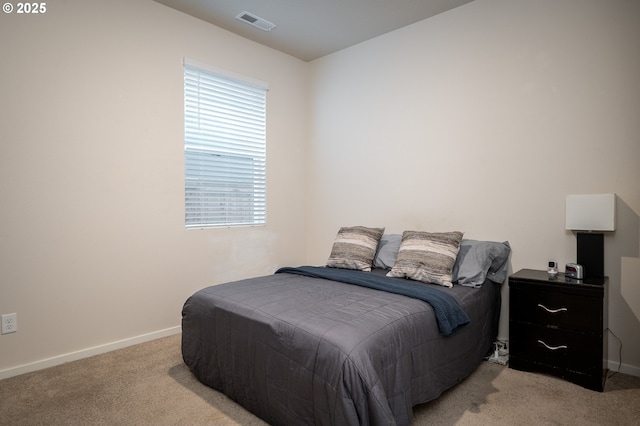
(224,150)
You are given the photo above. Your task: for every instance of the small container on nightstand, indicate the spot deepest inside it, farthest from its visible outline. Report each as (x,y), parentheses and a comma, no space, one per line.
(557,326)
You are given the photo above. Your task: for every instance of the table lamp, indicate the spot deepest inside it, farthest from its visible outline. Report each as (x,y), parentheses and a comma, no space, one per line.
(590,215)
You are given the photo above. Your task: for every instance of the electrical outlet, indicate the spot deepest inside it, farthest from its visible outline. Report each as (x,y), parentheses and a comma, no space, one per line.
(9,323)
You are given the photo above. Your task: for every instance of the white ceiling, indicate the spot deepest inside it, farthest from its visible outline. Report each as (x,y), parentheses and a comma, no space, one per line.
(309,29)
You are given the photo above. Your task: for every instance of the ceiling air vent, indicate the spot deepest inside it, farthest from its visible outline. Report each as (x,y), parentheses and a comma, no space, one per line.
(256,21)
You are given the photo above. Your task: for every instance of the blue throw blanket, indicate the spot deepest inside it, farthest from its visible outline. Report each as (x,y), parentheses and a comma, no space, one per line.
(448,312)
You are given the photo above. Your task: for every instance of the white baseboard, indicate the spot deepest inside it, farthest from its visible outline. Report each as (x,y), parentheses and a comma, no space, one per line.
(631,370)
(86,353)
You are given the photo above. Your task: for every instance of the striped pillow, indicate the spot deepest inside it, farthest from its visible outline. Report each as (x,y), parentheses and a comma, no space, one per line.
(427,257)
(355,247)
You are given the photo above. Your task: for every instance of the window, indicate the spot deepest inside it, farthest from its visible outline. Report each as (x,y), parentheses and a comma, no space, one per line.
(224,149)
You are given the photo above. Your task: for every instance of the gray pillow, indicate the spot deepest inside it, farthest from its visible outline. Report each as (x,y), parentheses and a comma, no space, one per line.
(355,247)
(427,256)
(481,260)
(387,251)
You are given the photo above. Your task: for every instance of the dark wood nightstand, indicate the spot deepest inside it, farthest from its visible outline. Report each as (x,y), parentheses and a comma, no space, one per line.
(557,326)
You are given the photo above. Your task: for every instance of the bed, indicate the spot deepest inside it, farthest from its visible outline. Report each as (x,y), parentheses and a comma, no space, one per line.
(346,345)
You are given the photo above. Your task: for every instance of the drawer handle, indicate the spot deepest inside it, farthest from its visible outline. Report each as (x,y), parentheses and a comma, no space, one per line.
(552,348)
(552,311)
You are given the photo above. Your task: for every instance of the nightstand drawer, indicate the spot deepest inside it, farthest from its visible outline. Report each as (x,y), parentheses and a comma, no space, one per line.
(556,309)
(555,347)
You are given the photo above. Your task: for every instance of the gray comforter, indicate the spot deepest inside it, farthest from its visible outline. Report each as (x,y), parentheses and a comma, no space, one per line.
(299,350)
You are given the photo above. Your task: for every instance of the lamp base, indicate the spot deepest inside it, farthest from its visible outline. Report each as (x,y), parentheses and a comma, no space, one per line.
(591,254)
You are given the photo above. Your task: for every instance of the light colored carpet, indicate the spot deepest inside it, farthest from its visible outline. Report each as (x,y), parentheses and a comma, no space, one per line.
(148,384)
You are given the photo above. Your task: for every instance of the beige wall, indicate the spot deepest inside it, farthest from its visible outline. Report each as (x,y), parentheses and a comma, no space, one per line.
(93,248)
(482,119)
(463,121)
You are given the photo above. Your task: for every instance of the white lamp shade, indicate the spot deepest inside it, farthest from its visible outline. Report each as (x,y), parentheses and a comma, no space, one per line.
(591,212)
